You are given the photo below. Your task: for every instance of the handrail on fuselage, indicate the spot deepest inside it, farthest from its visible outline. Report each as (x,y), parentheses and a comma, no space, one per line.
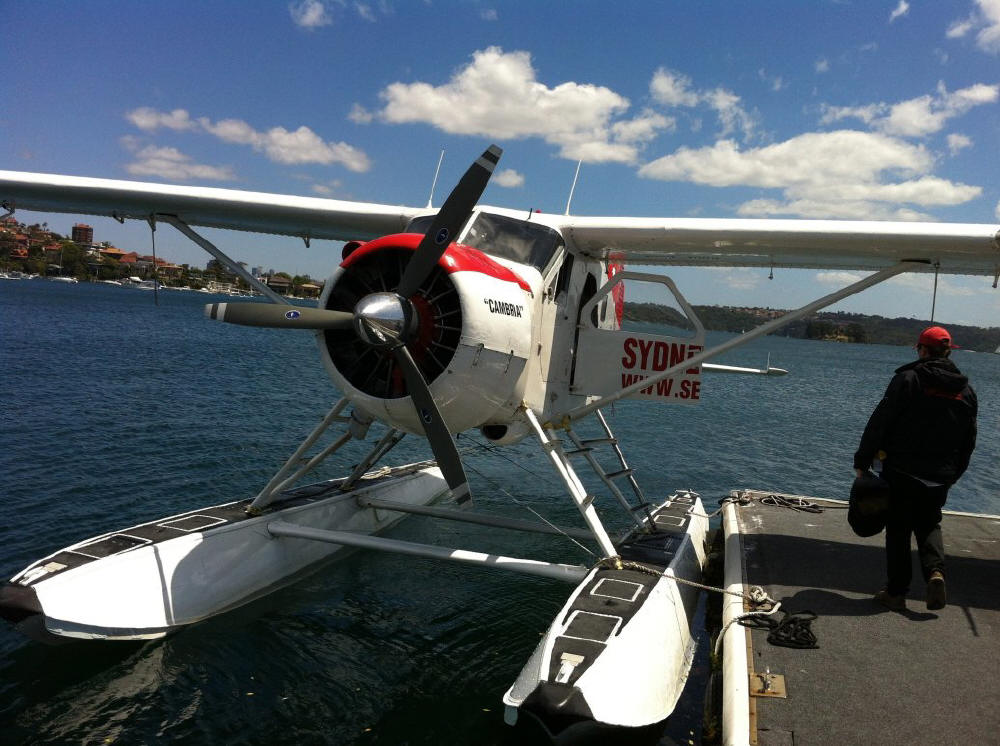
(766,328)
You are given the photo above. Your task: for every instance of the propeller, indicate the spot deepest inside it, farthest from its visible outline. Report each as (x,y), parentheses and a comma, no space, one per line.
(274,315)
(388,320)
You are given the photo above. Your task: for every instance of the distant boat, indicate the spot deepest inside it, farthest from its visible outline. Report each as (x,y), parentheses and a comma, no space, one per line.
(61,278)
(149,285)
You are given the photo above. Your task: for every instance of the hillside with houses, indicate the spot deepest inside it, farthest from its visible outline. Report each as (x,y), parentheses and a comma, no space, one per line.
(37,250)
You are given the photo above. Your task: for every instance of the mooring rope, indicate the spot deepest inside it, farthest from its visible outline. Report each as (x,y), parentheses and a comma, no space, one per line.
(755,595)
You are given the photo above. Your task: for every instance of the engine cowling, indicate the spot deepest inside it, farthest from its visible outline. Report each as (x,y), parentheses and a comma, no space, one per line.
(472,338)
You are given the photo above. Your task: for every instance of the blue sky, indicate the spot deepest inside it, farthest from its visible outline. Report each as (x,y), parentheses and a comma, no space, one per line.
(838,109)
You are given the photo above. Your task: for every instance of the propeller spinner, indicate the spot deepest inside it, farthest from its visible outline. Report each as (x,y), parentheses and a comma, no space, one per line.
(388,320)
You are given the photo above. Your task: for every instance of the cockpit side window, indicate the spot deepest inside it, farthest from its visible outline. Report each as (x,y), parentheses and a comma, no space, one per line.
(421,224)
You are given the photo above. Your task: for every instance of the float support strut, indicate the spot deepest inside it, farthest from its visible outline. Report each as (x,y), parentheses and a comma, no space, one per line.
(214,251)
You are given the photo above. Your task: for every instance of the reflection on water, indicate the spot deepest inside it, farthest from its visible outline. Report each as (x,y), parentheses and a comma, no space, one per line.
(130,411)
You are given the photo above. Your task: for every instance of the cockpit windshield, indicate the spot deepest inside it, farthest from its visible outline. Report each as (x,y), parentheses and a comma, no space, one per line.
(518,240)
(510,238)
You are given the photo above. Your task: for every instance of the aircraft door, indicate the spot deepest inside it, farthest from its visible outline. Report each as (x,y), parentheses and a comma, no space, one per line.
(588,292)
(553,351)
(609,359)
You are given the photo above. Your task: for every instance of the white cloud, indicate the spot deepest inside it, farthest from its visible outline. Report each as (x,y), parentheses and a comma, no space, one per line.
(642,128)
(674,89)
(960,28)
(988,38)
(996,211)
(309,14)
(822,65)
(231,130)
(305,146)
(948,285)
(838,277)
(360,115)
(824,209)
(986,22)
(365,11)
(149,120)
(842,174)
(732,116)
(923,282)
(498,95)
(489,14)
(508,178)
(278,144)
(866,114)
(737,278)
(901,10)
(328,189)
(917,117)
(741,278)
(811,158)
(170,163)
(957,142)
(774,82)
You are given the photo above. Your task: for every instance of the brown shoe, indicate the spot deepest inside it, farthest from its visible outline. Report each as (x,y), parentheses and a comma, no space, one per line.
(893,603)
(937,596)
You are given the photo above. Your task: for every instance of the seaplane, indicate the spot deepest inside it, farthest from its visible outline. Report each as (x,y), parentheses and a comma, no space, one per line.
(438,321)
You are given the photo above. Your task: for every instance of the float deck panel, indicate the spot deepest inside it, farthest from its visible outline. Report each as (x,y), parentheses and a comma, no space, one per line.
(878,676)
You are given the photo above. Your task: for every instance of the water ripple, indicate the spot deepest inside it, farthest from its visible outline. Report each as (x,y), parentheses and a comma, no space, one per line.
(129,412)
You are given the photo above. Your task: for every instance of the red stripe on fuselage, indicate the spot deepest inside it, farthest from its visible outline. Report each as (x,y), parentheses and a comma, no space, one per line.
(458,258)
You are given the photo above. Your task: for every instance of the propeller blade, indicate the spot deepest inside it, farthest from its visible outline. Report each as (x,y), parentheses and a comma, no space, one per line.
(450,218)
(279,316)
(442,444)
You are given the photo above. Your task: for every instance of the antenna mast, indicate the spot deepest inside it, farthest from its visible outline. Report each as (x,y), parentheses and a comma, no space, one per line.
(430,198)
(573,188)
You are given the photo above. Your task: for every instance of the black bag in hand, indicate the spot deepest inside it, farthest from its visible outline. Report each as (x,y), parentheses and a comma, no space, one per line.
(869,505)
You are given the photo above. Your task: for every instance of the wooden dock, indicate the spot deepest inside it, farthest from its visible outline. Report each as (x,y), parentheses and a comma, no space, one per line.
(882,677)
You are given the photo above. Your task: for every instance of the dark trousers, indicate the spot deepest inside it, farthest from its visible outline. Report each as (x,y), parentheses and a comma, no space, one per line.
(914,509)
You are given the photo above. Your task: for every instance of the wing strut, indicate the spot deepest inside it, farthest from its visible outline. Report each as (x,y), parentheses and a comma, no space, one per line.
(760,331)
(229,263)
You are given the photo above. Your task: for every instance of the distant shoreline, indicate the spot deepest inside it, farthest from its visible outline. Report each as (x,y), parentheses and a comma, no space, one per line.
(837,326)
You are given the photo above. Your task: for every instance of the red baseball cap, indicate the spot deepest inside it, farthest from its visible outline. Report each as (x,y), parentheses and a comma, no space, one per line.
(936,336)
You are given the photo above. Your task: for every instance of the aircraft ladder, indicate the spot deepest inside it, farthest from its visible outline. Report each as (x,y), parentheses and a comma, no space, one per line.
(585,447)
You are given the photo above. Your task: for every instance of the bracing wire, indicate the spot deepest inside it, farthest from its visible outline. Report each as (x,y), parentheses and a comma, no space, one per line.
(497,452)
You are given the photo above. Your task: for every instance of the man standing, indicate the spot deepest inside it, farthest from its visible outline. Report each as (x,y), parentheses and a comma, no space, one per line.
(924,432)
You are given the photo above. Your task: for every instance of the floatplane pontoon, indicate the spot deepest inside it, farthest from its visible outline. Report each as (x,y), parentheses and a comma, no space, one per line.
(472,317)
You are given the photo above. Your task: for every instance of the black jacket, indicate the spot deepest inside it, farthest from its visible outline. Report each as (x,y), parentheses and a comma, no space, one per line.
(925,423)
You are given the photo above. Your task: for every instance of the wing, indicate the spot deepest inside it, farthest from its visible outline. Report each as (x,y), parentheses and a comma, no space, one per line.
(306,217)
(959,248)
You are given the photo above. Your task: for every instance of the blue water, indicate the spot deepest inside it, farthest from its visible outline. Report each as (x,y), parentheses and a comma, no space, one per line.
(116,411)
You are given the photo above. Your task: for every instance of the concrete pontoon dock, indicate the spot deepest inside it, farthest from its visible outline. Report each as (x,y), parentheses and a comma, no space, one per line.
(881,677)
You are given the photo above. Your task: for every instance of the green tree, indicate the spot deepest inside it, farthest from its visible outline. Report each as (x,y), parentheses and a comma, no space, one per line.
(73,260)
(856,333)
